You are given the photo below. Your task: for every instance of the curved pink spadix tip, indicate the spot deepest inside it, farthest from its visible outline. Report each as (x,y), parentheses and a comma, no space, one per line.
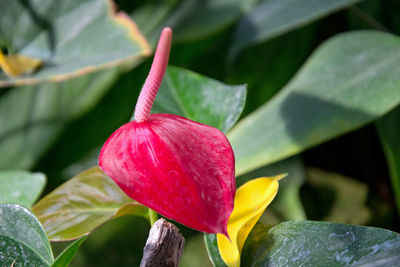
(154,79)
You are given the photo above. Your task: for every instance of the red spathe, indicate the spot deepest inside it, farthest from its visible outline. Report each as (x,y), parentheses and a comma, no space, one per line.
(182,169)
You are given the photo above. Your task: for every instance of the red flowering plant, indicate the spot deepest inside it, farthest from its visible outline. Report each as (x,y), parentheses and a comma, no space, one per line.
(61,59)
(180,168)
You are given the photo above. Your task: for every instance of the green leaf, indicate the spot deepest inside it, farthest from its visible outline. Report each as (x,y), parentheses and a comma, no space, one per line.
(199,98)
(192,19)
(83,203)
(272,18)
(351,80)
(212,249)
(21,187)
(23,241)
(71,38)
(312,243)
(272,64)
(43,111)
(389,132)
(66,256)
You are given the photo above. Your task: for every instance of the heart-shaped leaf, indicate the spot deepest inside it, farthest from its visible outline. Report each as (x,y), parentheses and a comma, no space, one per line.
(43,111)
(272,18)
(23,241)
(199,98)
(21,187)
(71,38)
(83,203)
(389,132)
(66,256)
(349,81)
(309,243)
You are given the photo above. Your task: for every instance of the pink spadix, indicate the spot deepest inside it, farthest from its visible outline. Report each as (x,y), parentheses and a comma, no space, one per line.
(182,169)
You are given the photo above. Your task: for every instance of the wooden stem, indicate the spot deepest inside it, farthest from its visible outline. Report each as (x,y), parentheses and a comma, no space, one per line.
(164,245)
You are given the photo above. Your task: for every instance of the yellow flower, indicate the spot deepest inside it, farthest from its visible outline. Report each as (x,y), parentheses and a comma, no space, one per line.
(251,200)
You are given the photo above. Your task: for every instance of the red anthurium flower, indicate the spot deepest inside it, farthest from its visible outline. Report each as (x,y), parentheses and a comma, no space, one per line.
(182,169)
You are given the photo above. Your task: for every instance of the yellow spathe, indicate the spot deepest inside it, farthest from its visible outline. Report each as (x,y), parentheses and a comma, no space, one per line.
(251,200)
(16,65)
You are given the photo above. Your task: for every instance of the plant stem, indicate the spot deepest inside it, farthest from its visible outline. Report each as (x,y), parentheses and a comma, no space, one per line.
(154,79)
(153,216)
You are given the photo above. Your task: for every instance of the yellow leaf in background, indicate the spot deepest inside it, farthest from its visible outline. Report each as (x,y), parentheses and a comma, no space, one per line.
(251,200)
(16,65)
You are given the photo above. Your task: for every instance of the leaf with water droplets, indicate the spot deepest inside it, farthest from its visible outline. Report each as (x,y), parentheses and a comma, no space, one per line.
(308,243)
(21,187)
(22,239)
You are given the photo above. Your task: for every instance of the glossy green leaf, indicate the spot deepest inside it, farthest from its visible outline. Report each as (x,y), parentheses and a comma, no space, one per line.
(349,81)
(271,18)
(21,187)
(66,256)
(83,203)
(267,67)
(212,249)
(348,197)
(32,117)
(389,132)
(72,38)
(23,241)
(191,19)
(199,98)
(310,243)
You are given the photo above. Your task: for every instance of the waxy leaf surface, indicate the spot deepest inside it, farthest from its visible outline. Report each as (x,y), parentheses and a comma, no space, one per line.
(66,256)
(21,187)
(71,38)
(182,169)
(43,112)
(191,20)
(311,243)
(199,98)
(350,80)
(83,203)
(271,18)
(23,241)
